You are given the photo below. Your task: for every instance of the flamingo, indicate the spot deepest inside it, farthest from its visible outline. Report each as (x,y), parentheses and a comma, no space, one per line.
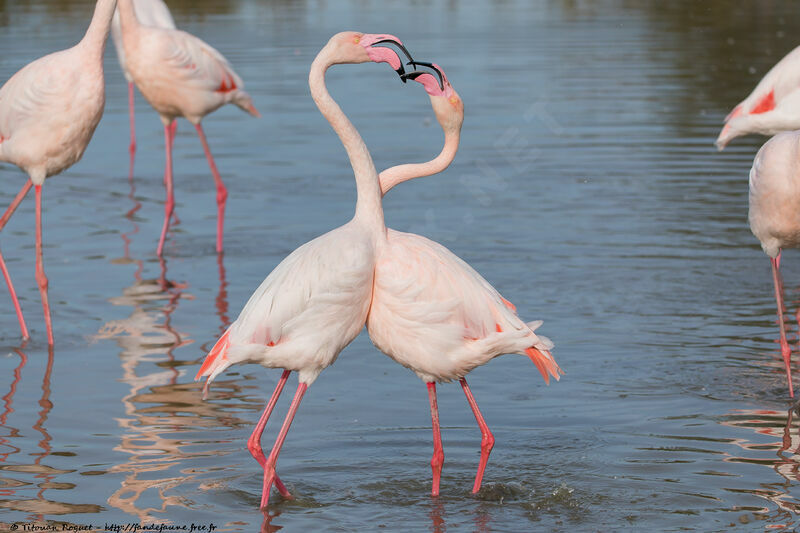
(316,300)
(774,204)
(49,110)
(153,13)
(181,76)
(431,312)
(772,107)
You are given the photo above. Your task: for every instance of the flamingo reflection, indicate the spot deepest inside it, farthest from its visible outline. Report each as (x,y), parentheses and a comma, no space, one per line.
(782,426)
(158,410)
(44,475)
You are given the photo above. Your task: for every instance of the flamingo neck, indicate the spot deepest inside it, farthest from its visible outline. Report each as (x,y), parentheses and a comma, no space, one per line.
(128,21)
(368,205)
(97,33)
(400,173)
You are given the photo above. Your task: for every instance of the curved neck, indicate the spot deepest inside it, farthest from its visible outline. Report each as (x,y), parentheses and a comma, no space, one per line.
(400,173)
(368,205)
(97,33)
(128,22)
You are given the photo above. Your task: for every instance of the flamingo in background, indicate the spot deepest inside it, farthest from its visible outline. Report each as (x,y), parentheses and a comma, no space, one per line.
(48,113)
(774,206)
(316,300)
(181,76)
(431,312)
(772,107)
(153,13)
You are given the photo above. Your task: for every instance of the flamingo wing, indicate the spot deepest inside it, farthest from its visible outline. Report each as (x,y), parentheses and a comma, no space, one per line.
(782,79)
(429,304)
(37,89)
(317,298)
(192,61)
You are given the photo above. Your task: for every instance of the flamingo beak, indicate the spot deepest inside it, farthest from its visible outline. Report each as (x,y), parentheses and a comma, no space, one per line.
(432,66)
(400,70)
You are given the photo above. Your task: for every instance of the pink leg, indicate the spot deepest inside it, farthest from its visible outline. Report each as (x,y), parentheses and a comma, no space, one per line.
(3,220)
(173,128)
(15,203)
(254,442)
(132,146)
(438,453)
(23,328)
(169,207)
(222,192)
(269,466)
(41,279)
(786,352)
(487,439)
(131,112)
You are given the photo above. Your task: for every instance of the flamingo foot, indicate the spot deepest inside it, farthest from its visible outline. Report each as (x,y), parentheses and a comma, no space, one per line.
(786,353)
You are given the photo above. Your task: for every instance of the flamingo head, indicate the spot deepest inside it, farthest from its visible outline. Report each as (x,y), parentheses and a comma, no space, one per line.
(362,47)
(446,103)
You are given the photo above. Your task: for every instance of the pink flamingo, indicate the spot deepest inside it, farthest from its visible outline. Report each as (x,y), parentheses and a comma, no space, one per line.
(431,312)
(316,300)
(772,107)
(48,113)
(181,76)
(153,13)
(774,205)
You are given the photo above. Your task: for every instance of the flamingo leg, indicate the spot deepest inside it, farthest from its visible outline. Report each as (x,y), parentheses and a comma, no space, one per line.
(269,466)
(222,192)
(15,203)
(487,439)
(786,352)
(132,114)
(169,206)
(3,220)
(438,452)
(254,442)
(41,279)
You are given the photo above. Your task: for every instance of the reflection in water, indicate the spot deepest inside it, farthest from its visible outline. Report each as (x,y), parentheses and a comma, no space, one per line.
(159,410)
(437,522)
(145,336)
(267,526)
(786,461)
(8,402)
(43,475)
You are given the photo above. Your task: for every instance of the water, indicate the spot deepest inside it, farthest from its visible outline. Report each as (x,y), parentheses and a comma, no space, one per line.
(587,190)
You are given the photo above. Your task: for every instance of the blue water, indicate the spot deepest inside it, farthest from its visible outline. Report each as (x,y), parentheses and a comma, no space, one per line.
(587,190)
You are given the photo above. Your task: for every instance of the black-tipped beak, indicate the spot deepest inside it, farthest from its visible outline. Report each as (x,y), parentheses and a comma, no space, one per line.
(400,71)
(425,64)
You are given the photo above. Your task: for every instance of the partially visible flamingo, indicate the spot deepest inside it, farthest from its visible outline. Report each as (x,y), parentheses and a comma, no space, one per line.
(153,13)
(775,212)
(180,76)
(48,112)
(772,107)
(316,300)
(434,314)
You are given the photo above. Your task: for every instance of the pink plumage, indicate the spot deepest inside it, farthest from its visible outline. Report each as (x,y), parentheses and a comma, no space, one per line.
(154,13)
(180,76)
(772,107)
(48,113)
(315,302)
(431,311)
(774,213)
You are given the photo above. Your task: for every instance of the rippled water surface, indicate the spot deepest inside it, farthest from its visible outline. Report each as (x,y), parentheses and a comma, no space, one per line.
(587,190)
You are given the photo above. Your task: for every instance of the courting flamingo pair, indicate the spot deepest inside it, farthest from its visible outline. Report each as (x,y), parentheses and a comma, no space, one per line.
(318,299)
(422,305)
